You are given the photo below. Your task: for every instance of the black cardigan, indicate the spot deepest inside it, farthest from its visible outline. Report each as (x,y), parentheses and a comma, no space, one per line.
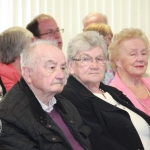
(111,127)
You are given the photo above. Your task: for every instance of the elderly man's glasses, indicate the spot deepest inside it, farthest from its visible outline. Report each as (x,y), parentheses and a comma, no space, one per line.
(52,32)
(86,60)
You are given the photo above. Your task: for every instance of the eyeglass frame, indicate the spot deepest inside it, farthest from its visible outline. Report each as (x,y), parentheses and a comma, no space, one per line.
(91,60)
(52,32)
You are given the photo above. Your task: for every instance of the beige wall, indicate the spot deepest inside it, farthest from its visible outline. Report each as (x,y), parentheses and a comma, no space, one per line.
(69,14)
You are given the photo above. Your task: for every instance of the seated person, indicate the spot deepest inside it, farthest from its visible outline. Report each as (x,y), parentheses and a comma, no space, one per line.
(104,30)
(115,123)
(129,58)
(94,17)
(45,27)
(12,42)
(32,116)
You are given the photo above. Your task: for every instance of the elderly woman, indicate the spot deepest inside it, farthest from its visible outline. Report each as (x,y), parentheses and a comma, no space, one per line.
(129,58)
(12,42)
(106,31)
(115,123)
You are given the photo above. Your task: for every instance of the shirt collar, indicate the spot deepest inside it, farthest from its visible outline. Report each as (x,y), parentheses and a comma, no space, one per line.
(50,107)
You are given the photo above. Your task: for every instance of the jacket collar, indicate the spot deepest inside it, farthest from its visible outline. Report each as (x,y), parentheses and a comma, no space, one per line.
(33,102)
(115,93)
(146,82)
(89,97)
(126,91)
(85,92)
(35,105)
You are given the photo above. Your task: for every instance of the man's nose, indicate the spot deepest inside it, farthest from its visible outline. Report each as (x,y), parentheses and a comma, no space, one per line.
(56,35)
(60,73)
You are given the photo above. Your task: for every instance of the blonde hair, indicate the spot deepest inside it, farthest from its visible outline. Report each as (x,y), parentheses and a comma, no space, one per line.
(125,34)
(102,28)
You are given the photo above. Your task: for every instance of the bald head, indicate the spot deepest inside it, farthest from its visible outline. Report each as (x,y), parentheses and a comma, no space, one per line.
(94,18)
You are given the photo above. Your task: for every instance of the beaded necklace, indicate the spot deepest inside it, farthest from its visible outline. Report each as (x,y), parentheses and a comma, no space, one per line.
(103,93)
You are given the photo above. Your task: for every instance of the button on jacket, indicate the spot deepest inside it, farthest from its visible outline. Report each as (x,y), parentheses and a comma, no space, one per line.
(25,126)
(112,128)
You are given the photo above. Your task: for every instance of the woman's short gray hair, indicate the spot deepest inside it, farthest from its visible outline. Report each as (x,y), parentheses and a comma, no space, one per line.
(85,41)
(12,42)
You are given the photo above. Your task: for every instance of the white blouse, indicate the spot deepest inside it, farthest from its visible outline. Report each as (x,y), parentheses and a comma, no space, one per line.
(139,123)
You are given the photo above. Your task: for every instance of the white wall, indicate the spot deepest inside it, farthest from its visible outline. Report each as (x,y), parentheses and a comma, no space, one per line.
(69,14)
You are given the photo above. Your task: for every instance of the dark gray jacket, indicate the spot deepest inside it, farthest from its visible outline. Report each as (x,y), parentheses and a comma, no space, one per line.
(25,126)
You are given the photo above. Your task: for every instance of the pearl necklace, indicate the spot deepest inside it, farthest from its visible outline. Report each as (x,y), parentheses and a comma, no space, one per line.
(103,93)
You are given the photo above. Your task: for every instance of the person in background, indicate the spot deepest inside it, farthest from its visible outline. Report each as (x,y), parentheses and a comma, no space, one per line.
(129,54)
(106,31)
(115,123)
(94,17)
(12,42)
(45,27)
(103,29)
(32,116)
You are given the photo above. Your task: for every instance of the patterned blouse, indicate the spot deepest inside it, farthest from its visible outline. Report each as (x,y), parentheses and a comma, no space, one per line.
(109,74)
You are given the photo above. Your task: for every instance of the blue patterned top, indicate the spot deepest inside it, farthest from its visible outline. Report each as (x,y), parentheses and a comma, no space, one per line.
(109,74)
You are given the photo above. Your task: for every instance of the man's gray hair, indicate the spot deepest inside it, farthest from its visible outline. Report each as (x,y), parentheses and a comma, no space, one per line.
(27,56)
(85,41)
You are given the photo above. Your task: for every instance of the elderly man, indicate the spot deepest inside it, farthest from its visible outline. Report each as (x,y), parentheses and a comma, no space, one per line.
(32,116)
(45,27)
(94,17)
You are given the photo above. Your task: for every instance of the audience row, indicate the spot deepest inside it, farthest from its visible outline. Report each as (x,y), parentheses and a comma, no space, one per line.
(103,102)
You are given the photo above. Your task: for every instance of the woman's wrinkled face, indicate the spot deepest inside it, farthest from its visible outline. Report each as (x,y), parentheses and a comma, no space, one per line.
(89,66)
(133,57)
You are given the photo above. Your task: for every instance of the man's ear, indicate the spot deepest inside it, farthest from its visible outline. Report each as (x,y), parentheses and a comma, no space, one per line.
(27,74)
(34,38)
(70,64)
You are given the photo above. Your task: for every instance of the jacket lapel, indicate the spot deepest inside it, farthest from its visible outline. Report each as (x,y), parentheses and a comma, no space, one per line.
(33,102)
(123,100)
(89,97)
(115,93)
(126,91)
